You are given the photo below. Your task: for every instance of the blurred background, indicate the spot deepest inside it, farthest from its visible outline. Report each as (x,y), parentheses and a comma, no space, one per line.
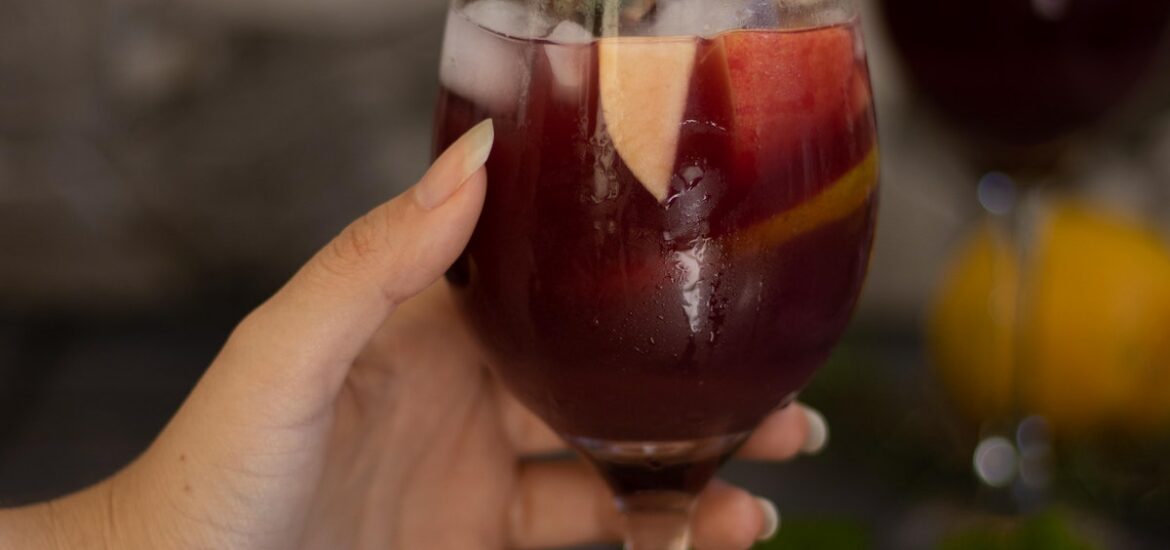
(164,166)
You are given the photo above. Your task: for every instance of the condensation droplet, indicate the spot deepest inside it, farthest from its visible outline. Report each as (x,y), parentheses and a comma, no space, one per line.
(692,175)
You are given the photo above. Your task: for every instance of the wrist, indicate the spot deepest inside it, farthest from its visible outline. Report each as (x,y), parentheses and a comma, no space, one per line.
(28,527)
(74,521)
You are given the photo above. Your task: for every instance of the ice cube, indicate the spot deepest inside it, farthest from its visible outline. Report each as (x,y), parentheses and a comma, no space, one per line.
(482,66)
(763,14)
(509,18)
(568,53)
(814,13)
(702,17)
(569,32)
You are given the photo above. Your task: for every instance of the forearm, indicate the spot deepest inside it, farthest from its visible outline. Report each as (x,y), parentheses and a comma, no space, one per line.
(76,521)
(28,527)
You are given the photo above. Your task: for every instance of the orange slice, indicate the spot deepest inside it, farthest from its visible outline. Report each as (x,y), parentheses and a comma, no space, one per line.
(644,84)
(841,198)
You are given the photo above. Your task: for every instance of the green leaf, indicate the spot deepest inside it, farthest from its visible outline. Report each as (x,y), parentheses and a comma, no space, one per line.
(819,534)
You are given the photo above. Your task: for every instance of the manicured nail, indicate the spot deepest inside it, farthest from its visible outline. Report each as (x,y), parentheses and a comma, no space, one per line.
(818,432)
(471,152)
(771,518)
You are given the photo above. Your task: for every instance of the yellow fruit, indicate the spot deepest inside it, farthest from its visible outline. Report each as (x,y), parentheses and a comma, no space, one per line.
(838,200)
(971,322)
(643,84)
(1094,328)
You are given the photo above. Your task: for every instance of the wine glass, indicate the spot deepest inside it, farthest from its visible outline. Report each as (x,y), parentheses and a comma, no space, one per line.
(1033,87)
(679,215)
(1020,78)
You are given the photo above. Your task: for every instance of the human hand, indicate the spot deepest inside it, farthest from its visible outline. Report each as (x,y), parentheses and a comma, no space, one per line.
(353,410)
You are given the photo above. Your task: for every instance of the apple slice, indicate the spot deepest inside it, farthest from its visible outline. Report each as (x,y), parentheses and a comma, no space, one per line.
(792,90)
(644,84)
(783,82)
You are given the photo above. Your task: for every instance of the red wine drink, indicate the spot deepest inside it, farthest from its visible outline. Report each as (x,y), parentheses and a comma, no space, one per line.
(678,217)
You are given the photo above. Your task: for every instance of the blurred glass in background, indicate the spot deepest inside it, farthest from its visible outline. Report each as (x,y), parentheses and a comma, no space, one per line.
(165,166)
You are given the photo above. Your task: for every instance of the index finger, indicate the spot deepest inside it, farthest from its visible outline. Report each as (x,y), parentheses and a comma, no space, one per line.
(786,433)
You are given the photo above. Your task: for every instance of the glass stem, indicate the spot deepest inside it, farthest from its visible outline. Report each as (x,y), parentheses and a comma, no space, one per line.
(1031,433)
(1022,488)
(657,520)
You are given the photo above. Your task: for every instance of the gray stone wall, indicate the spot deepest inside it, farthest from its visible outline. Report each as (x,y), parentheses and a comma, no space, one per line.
(148,148)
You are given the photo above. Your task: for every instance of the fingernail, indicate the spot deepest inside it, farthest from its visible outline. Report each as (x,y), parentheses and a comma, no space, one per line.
(472,149)
(818,432)
(771,518)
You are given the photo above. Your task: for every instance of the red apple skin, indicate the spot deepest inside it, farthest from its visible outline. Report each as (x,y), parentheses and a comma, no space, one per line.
(801,110)
(772,120)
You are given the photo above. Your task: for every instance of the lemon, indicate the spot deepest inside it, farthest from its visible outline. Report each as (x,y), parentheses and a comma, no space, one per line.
(970,328)
(1093,328)
(837,201)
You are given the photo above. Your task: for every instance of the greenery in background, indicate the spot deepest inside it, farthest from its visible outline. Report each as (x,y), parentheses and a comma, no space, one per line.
(888,416)
(819,534)
(592,13)
(1048,531)
(1130,479)
(892,423)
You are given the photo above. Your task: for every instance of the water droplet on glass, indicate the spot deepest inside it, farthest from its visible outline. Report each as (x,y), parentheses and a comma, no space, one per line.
(652,342)
(690,263)
(692,175)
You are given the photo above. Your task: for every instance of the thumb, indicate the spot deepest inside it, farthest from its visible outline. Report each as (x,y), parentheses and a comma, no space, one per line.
(309,333)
